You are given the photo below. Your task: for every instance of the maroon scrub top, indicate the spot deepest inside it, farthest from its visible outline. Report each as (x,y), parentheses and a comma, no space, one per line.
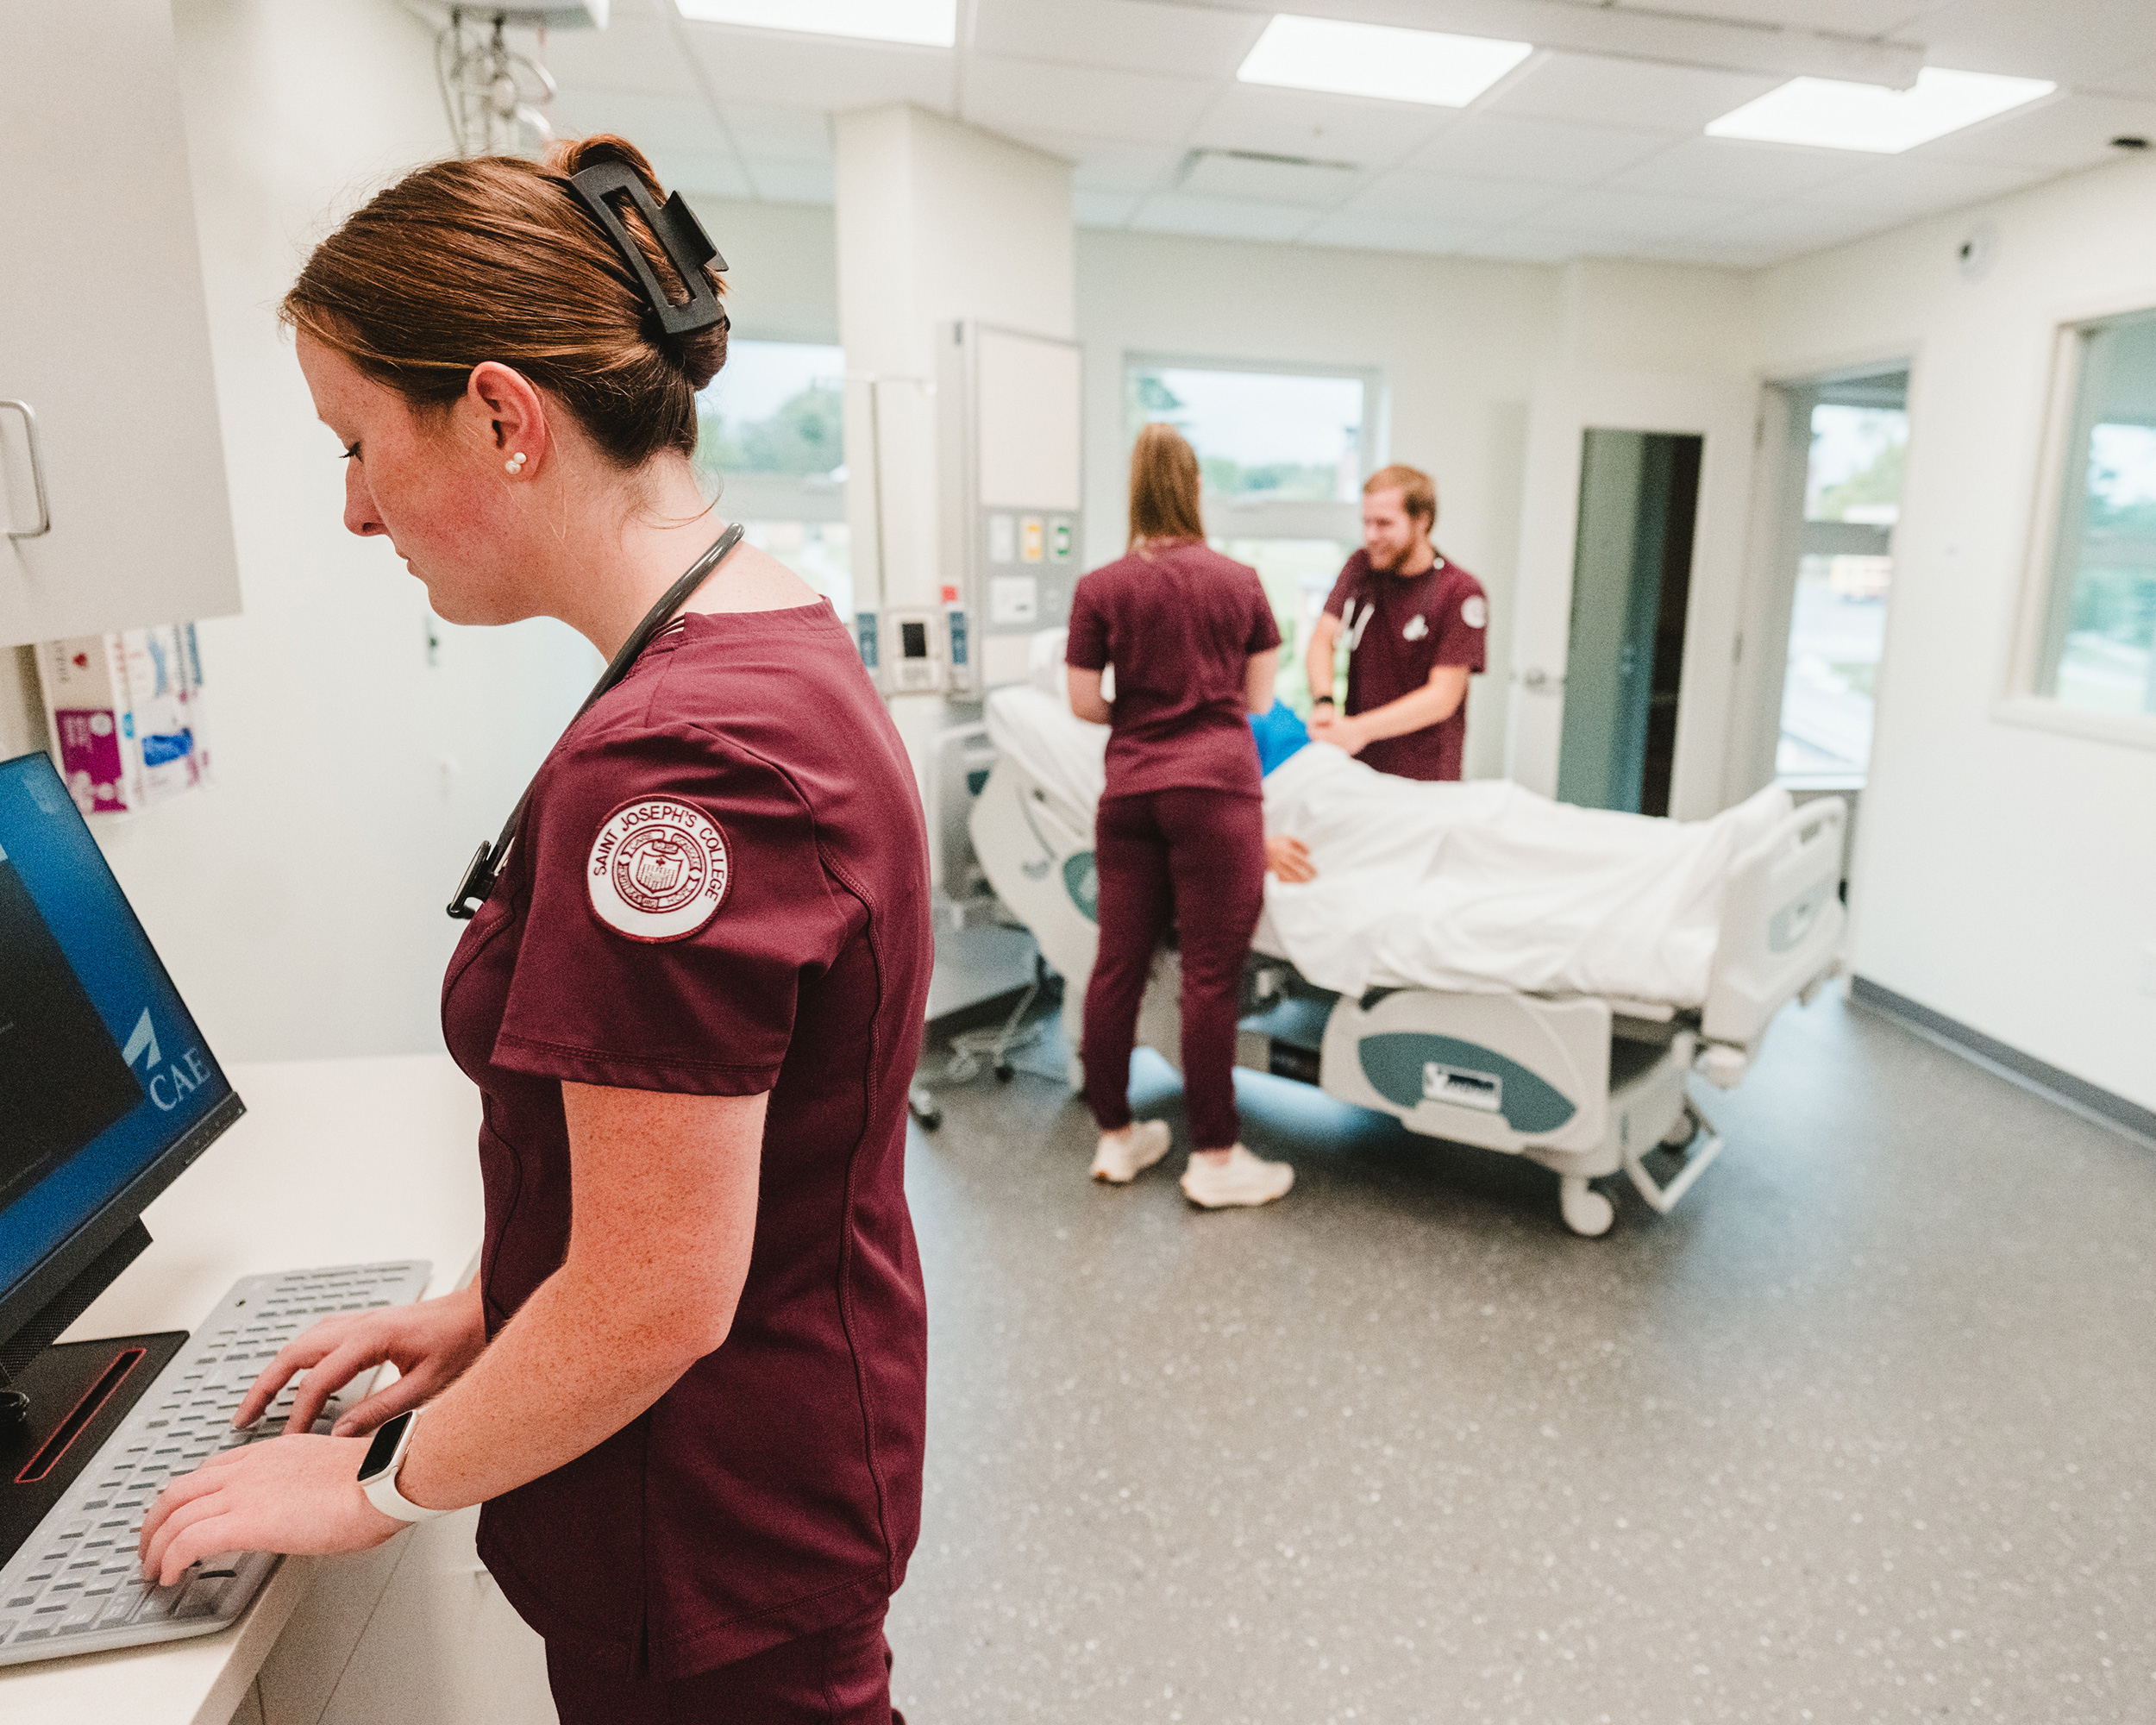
(1399,629)
(1179,624)
(721,888)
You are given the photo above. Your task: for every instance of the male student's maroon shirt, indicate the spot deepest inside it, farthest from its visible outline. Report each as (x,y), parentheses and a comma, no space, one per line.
(1399,629)
(1179,624)
(721,888)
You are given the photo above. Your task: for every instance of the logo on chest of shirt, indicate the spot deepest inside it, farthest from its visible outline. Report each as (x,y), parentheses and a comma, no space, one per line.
(659,869)
(1418,626)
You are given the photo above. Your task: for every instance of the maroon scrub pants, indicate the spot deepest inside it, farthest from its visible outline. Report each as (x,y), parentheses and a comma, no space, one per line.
(1197,857)
(839,1677)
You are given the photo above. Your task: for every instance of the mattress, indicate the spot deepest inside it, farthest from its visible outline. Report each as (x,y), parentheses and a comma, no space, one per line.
(1476,885)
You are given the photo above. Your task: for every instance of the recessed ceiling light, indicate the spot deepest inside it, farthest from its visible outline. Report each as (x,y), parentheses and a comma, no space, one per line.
(1378,59)
(1835,116)
(932,23)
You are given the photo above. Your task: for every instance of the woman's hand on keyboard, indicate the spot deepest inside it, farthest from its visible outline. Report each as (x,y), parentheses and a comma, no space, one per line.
(293,1495)
(430,1344)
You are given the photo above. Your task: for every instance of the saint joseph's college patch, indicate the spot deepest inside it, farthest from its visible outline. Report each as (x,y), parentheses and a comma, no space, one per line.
(659,869)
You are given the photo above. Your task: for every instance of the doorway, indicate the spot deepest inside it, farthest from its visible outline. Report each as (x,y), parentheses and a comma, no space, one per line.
(1834,458)
(1631,570)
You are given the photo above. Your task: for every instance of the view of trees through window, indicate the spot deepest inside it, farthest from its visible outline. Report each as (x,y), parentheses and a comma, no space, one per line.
(1853,499)
(2100,652)
(778,408)
(1288,435)
(771,439)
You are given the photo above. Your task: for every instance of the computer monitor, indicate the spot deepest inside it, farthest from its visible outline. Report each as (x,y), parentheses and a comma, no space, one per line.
(108,1090)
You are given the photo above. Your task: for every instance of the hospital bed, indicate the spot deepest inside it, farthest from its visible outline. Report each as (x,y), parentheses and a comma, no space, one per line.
(1587,1081)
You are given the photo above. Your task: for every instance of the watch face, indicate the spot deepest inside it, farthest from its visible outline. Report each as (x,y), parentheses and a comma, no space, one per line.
(383,1450)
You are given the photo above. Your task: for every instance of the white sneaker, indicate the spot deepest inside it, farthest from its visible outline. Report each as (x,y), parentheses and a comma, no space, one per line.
(1122,1156)
(1242,1179)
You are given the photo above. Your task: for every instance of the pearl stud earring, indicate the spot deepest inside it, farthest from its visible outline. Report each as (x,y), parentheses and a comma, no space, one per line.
(515,464)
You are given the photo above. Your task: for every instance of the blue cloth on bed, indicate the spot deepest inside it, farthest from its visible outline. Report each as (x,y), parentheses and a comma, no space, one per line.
(1279,733)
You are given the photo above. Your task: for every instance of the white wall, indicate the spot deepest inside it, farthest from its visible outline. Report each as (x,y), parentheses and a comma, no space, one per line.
(1459,343)
(782,267)
(298,903)
(2004,873)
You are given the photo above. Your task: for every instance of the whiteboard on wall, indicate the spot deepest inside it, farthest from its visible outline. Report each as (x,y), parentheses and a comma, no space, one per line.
(1028,394)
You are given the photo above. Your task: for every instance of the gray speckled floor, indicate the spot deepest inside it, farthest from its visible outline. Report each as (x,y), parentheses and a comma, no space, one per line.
(1864,1431)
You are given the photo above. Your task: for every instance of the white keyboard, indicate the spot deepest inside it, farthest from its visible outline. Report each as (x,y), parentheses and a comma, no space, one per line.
(75,1586)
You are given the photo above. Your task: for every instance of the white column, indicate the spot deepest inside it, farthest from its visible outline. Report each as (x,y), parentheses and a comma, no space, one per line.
(937,223)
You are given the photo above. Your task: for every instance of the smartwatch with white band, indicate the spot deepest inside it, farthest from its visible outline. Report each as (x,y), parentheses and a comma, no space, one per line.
(378,1471)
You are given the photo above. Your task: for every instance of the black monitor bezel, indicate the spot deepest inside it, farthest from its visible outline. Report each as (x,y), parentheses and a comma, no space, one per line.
(54,1274)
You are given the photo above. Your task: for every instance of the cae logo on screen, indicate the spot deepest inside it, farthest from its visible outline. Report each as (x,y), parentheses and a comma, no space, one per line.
(180,1079)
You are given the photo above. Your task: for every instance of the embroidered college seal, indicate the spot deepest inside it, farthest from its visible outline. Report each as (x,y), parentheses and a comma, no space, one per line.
(658,870)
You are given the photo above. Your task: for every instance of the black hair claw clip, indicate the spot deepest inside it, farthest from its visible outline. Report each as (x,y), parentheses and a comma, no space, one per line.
(674,224)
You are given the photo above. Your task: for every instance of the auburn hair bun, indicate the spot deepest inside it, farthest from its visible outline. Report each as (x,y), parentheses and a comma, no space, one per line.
(482,258)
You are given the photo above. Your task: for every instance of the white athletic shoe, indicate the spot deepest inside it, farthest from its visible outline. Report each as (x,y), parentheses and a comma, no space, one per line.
(1122,1156)
(1242,1179)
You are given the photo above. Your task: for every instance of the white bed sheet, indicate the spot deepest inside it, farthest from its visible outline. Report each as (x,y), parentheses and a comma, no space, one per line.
(1477,886)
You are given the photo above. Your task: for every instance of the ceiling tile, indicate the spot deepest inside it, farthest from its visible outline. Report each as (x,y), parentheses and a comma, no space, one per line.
(1211,175)
(1733,168)
(1371,232)
(1549,152)
(1902,187)
(1025,94)
(1587,89)
(1701,254)
(2066,131)
(1787,230)
(1477,203)
(2077,43)
(1168,212)
(1299,122)
(1103,208)
(1185,41)
(778,134)
(718,174)
(636,51)
(651,123)
(1634,214)
(793,182)
(1099,165)
(821,72)
(1843,17)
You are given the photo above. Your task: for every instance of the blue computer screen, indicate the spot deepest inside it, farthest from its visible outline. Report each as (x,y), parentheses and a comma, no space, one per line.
(102,1069)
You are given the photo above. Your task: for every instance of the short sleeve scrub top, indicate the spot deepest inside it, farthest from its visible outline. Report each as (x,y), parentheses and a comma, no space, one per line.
(720,889)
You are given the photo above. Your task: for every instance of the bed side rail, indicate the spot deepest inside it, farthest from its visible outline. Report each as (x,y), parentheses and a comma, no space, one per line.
(1782,925)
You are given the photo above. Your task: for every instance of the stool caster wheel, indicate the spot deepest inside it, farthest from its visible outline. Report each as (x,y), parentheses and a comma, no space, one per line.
(1004,1071)
(920,1102)
(1585,1210)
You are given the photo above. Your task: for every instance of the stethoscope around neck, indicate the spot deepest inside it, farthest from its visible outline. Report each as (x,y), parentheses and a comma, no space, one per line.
(486,866)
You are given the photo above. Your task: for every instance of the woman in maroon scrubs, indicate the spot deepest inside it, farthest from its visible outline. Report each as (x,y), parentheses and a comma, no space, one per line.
(689,1385)
(1180,836)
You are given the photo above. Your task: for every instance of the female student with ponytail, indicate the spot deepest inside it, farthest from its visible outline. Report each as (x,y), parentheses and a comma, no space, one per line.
(1179,837)
(688,1383)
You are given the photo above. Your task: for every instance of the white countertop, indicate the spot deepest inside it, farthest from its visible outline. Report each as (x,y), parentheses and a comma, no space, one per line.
(336,1162)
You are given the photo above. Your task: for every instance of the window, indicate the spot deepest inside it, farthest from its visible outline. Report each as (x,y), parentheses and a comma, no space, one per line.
(1853,499)
(1284,451)
(1298,574)
(1261,436)
(771,444)
(2097,648)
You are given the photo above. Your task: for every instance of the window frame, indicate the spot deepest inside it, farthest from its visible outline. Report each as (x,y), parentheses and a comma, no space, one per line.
(2019,701)
(1277,518)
